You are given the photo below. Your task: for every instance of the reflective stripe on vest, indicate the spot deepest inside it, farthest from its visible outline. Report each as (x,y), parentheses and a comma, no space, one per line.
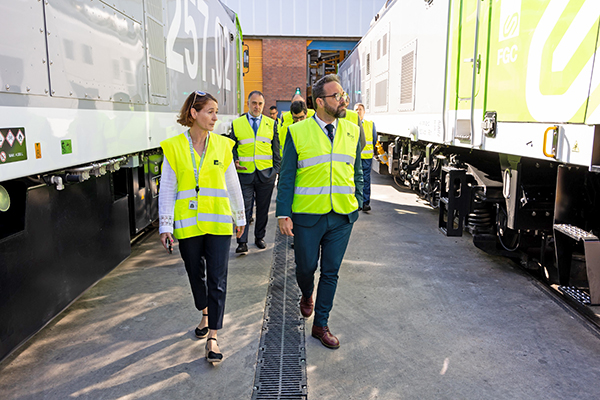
(325,174)
(213,213)
(367,152)
(254,152)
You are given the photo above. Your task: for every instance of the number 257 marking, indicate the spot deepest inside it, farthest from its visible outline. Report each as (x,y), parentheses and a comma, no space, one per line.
(175,59)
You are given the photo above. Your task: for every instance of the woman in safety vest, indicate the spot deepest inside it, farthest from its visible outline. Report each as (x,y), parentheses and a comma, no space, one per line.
(199,194)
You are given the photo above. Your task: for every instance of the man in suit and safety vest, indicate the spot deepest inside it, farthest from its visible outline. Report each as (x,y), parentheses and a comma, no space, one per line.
(367,154)
(318,198)
(257,159)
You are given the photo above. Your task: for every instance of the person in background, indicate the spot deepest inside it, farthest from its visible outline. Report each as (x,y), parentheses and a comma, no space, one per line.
(274,114)
(367,154)
(287,120)
(257,158)
(318,197)
(299,111)
(199,194)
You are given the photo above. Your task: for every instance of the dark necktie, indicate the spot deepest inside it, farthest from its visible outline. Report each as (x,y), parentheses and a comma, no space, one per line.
(254,125)
(329,128)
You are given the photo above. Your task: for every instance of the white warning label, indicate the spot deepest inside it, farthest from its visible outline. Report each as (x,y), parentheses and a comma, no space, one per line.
(10,138)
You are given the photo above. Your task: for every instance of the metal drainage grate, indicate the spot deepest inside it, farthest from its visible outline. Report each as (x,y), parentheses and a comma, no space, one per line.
(576,294)
(281,362)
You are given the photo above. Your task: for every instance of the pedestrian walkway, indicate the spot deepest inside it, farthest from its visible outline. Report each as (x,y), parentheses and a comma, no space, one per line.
(419,316)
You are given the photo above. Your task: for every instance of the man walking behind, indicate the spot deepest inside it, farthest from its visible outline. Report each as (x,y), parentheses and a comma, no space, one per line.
(257,159)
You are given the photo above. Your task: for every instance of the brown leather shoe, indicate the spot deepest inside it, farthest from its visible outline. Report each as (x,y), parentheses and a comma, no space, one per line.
(322,333)
(306,306)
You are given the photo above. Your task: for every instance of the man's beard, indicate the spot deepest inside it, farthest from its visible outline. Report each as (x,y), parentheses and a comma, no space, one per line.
(338,112)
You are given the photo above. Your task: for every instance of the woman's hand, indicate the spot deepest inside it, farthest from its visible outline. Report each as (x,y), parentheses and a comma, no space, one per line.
(163,239)
(239,231)
(286,225)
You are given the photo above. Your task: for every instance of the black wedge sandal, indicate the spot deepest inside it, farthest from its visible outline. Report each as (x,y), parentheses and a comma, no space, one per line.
(201,333)
(211,356)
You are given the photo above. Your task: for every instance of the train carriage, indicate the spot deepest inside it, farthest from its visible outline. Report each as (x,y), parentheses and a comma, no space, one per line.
(490,110)
(88,90)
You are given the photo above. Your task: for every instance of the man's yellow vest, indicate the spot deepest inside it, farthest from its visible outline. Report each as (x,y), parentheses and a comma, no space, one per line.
(367,152)
(325,173)
(213,213)
(254,152)
(288,120)
(351,116)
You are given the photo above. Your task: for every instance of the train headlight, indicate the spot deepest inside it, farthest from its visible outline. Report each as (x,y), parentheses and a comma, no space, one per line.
(4,199)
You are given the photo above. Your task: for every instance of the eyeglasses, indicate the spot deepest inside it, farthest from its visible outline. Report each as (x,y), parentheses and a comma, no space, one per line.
(196,93)
(338,96)
(299,117)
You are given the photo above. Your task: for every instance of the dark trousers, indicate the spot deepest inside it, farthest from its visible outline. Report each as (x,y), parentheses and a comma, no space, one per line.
(366,168)
(329,237)
(206,258)
(258,193)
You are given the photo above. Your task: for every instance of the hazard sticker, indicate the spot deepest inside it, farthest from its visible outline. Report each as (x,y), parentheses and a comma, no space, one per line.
(10,138)
(38,150)
(20,137)
(13,145)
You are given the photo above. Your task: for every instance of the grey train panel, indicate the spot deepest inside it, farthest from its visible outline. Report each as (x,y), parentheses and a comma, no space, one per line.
(95,53)
(133,9)
(23,64)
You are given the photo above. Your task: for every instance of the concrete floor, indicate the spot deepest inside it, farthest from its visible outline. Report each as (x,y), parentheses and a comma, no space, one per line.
(419,316)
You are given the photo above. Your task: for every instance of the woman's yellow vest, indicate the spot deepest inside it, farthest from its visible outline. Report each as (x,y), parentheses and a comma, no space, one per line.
(325,173)
(367,152)
(213,214)
(254,152)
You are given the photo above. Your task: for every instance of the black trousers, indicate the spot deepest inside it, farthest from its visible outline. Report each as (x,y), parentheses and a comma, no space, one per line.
(206,258)
(261,193)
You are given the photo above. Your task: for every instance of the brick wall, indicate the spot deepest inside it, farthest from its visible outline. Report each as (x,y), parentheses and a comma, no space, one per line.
(284,69)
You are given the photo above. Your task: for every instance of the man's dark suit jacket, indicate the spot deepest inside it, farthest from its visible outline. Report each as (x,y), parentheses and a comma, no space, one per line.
(266,175)
(287,181)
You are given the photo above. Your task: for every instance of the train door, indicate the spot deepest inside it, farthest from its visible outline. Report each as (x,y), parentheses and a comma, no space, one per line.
(469,38)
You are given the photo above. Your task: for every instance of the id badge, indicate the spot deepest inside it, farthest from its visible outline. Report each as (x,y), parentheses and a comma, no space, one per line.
(193,205)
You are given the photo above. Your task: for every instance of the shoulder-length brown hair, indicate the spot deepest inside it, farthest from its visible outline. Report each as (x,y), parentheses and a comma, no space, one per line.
(196,99)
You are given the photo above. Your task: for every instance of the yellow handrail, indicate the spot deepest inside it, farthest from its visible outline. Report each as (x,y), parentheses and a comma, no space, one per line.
(553,155)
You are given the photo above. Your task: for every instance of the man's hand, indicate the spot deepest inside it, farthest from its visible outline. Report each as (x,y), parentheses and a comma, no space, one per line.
(285,226)
(239,167)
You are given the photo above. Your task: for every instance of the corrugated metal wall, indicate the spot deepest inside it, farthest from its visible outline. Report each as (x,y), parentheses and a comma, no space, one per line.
(307,18)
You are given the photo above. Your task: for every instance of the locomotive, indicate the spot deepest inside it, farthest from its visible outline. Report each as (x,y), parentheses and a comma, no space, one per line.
(490,110)
(88,90)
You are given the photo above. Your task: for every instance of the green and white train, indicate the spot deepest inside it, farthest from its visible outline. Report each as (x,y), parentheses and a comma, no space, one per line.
(88,90)
(490,109)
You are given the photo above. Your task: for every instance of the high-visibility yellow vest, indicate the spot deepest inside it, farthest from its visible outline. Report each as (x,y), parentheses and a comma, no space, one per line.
(213,213)
(254,152)
(351,116)
(325,173)
(288,120)
(367,152)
